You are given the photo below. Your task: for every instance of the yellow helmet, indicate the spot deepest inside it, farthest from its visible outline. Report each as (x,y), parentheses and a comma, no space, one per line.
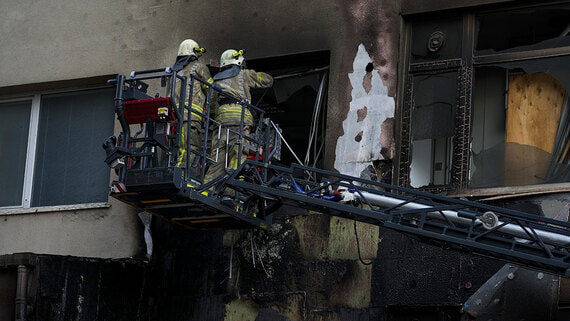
(231,57)
(190,47)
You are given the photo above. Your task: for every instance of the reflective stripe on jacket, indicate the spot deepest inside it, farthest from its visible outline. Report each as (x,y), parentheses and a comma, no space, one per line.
(199,90)
(239,86)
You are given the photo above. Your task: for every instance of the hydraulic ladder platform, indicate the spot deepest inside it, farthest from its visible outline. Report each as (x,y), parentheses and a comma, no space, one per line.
(149,179)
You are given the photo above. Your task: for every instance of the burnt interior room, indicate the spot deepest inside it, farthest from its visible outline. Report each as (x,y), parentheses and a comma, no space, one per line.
(297,102)
(504,79)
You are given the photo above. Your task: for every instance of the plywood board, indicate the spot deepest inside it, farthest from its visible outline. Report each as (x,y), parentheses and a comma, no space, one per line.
(535,103)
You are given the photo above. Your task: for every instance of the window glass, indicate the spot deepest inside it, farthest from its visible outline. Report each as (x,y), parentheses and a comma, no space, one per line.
(69,167)
(433,114)
(14,128)
(523,29)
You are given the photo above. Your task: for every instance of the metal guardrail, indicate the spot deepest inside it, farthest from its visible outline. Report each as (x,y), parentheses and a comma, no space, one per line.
(147,153)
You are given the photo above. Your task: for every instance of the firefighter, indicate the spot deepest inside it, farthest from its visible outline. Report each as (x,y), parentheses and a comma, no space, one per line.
(237,81)
(187,64)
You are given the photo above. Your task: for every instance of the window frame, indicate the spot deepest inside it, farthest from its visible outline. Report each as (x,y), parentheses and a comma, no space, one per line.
(467,63)
(29,172)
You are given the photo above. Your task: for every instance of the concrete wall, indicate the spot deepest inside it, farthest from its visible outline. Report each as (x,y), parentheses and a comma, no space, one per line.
(61,40)
(112,232)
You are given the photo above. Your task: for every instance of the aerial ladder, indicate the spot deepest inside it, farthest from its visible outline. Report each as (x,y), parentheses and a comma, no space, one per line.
(149,179)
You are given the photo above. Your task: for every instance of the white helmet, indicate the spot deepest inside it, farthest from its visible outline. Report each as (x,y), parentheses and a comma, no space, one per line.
(231,57)
(190,47)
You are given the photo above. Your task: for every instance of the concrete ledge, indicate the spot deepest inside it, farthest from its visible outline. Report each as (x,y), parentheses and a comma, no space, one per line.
(49,209)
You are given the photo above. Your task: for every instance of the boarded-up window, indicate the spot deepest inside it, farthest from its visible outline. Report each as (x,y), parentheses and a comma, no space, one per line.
(486,99)
(520,129)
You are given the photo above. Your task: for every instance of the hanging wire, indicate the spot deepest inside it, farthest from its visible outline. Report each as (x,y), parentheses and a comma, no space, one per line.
(290,149)
(315,117)
(260,260)
(358,247)
(285,141)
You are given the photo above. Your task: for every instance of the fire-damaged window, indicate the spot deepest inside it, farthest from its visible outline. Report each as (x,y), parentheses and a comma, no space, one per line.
(433,127)
(433,104)
(51,148)
(520,127)
(520,123)
(297,103)
(499,114)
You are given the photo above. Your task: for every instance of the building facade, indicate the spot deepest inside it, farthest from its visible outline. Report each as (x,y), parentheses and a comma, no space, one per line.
(467,98)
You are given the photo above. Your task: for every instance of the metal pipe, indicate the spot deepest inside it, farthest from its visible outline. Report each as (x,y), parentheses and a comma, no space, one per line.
(453,216)
(22,292)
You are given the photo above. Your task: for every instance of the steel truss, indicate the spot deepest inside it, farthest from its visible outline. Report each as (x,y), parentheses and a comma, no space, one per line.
(510,235)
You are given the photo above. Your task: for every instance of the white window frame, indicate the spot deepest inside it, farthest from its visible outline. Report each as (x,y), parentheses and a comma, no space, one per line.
(31,152)
(25,206)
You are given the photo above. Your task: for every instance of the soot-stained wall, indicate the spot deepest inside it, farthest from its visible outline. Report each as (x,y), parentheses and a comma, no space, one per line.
(308,266)
(104,38)
(71,288)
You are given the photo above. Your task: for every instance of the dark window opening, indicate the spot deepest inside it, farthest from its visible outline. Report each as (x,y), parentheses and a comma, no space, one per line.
(523,29)
(433,114)
(297,102)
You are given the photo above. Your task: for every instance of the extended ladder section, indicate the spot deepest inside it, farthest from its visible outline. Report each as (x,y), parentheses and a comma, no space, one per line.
(510,235)
(150,177)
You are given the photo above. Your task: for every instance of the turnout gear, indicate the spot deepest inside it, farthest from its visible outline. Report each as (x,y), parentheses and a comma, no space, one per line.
(236,82)
(228,151)
(188,64)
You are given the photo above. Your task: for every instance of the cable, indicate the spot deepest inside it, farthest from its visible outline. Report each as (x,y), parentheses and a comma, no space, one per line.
(290,149)
(315,117)
(358,247)
(286,144)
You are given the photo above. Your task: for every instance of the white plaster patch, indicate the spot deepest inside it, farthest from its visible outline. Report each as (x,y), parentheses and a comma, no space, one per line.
(352,156)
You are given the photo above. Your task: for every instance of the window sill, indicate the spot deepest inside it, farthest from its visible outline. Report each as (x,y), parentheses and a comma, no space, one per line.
(50,209)
(494,193)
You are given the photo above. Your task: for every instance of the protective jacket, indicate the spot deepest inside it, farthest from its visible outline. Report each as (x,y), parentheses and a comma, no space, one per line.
(199,91)
(238,83)
(187,66)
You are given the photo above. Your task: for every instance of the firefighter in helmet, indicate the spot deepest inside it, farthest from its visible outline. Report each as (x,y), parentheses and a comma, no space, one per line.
(188,63)
(237,81)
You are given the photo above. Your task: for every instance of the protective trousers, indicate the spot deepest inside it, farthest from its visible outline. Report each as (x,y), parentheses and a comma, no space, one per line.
(227,147)
(195,140)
